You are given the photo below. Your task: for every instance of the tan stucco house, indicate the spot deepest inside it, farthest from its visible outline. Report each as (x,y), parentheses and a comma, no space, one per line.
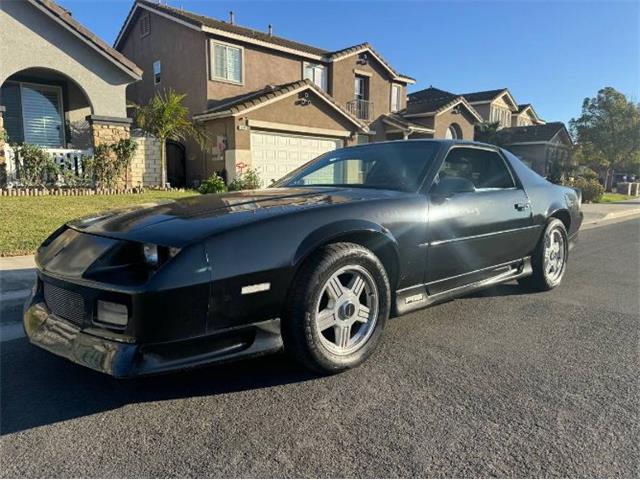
(267,102)
(500,106)
(443,114)
(61,87)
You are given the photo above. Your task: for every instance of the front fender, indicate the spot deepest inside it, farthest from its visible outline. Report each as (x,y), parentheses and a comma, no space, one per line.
(377,237)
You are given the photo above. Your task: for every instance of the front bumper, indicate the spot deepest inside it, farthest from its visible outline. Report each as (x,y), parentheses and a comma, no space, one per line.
(121,358)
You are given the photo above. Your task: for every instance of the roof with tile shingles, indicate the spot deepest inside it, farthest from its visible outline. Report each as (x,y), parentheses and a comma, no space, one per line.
(201,20)
(65,16)
(234,105)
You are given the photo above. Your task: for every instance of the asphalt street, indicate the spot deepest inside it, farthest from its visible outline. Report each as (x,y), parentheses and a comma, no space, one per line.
(499,383)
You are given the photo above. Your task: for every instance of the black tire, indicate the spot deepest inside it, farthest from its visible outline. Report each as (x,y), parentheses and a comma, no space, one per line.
(299,329)
(541,281)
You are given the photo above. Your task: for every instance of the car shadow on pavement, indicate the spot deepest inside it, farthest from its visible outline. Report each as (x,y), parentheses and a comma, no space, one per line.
(38,388)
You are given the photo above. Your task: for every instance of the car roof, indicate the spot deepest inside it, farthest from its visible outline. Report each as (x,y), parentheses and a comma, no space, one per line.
(446,142)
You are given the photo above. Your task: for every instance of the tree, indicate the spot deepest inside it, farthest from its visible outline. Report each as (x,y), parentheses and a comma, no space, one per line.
(608,132)
(487,132)
(167,118)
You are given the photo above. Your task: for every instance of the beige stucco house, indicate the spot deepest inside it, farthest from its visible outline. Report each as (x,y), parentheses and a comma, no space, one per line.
(267,102)
(443,114)
(500,106)
(61,87)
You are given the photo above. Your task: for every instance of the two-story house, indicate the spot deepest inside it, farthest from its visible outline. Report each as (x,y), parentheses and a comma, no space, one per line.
(525,116)
(443,114)
(266,102)
(500,106)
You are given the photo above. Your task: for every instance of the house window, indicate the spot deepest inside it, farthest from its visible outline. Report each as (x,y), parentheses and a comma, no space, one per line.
(453,132)
(501,116)
(34,114)
(317,74)
(145,25)
(361,88)
(156,72)
(396,91)
(227,62)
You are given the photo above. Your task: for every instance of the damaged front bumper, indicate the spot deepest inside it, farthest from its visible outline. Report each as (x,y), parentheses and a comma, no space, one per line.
(122,357)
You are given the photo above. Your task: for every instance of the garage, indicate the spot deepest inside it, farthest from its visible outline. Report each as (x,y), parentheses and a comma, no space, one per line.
(273,155)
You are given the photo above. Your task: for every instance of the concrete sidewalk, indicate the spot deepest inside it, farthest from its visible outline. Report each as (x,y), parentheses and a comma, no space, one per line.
(17,275)
(598,213)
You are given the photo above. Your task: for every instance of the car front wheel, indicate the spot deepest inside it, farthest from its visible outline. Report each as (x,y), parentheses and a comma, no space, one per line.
(337,308)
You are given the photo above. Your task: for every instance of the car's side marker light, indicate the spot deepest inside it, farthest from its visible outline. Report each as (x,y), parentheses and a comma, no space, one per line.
(258,287)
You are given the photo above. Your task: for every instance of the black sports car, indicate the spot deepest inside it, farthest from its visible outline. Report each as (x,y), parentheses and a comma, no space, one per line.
(316,263)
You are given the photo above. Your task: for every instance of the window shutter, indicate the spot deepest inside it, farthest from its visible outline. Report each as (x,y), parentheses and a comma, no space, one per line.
(322,77)
(234,64)
(10,98)
(219,61)
(42,116)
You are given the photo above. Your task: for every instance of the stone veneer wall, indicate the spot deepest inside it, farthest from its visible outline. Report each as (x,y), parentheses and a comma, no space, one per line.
(145,166)
(109,130)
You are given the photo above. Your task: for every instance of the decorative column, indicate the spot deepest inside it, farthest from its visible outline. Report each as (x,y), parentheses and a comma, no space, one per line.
(3,161)
(109,130)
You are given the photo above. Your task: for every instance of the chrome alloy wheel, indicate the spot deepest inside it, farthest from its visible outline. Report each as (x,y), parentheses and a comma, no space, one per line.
(347,310)
(555,255)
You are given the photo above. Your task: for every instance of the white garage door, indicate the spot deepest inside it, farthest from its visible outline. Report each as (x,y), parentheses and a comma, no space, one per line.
(274,155)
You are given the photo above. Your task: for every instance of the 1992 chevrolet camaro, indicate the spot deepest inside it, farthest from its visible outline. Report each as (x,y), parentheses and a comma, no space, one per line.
(316,263)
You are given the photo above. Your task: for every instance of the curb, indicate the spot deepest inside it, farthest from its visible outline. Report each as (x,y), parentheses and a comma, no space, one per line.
(624,213)
(610,219)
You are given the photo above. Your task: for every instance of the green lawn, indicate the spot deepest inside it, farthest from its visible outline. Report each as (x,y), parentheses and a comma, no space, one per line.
(613,197)
(26,221)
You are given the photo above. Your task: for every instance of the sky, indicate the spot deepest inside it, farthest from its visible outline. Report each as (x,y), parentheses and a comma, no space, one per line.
(550,54)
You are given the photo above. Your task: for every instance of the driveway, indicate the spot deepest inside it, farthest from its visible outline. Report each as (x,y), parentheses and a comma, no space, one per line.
(500,383)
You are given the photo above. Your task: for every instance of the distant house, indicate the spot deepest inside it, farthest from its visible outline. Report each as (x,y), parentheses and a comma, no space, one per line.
(61,87)
(525,115)
(443,114)
(267,102)
(500,106)
(539,146)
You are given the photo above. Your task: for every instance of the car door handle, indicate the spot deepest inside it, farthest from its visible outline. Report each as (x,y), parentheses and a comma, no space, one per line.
(521,206)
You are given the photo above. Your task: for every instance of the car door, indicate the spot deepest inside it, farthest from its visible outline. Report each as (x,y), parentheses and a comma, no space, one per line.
(473,232)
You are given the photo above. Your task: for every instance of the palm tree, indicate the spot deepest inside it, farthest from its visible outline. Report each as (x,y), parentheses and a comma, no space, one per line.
(167,118)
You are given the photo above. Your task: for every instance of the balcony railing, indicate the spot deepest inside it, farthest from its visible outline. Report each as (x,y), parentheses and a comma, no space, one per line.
(362,109)
(65,158)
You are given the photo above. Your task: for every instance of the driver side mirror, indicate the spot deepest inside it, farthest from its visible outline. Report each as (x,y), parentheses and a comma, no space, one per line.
(449,186)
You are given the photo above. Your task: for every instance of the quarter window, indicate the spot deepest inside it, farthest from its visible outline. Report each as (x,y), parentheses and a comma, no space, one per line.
(484,168)
(317,74)
(227,62)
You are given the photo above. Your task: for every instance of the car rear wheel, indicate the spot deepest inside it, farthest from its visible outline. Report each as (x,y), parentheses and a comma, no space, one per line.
(337,308)
(549,260)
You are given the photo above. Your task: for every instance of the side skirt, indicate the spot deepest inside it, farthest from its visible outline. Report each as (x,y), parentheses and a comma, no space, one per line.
(417,297)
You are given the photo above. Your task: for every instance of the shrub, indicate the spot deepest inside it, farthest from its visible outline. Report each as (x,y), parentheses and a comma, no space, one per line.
(110,162)
(591,189)
(249,180)
(214,184)
(34,165)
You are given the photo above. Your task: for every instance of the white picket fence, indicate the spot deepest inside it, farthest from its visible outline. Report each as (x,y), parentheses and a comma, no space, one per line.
(65,158)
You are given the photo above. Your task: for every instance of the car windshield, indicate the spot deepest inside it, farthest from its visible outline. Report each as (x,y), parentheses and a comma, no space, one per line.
(390,166)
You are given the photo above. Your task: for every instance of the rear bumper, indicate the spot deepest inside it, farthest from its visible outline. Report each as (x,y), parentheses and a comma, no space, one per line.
(123,359)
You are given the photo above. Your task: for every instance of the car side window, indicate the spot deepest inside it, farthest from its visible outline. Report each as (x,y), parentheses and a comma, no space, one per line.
(484,168)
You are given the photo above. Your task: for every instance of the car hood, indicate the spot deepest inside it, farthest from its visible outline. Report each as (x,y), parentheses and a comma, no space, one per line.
(180,222)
